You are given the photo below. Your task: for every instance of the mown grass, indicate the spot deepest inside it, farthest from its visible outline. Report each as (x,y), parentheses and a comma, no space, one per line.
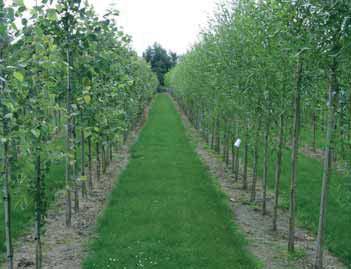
(310,171)
(166,211)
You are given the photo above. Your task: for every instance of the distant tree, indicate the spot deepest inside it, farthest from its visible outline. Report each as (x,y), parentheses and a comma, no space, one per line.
(160,60)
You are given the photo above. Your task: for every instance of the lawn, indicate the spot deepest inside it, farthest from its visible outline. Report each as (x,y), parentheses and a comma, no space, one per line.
(166,211)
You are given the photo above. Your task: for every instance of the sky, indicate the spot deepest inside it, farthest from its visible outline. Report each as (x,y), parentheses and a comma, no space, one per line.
(175,24)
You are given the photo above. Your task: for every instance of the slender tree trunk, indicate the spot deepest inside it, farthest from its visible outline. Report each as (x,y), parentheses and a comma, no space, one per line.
(225,143)
(314,126)
(237,163)
(75,170)
(90,164)
(218,142)
(7,203)
(255,165)
(229,139)
(278,172)
(294,154)
(69,143)
(103,159)
(98,162)
(82,165)
(265,168)
(208,141)
(246,153)
(233,155)
(111,151)
(6,179)
(38,207)
(330,132)
(213,135)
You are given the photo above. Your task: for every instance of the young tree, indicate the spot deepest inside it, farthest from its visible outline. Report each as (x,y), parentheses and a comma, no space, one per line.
(333,26)
(8,106)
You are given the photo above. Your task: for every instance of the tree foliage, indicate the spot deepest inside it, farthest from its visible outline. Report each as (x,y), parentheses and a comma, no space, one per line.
(66,75)
(160,60)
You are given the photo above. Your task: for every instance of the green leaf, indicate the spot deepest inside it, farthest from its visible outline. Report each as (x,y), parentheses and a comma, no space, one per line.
(36,133)
(19,76)
(2,29)
(83,178)
(52,15)
(87,99)
(19,2)
(8,116)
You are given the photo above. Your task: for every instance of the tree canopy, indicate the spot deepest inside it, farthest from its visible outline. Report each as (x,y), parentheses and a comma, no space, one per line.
(160,60)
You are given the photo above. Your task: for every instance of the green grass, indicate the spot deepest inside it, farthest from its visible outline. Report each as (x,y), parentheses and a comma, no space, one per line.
(166,211)
(306,137)
(338,233)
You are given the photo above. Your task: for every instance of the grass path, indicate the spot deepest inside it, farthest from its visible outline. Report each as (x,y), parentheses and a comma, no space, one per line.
(166,211)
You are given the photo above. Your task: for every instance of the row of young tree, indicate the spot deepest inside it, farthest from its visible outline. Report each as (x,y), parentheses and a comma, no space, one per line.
(63,66)
(263,70)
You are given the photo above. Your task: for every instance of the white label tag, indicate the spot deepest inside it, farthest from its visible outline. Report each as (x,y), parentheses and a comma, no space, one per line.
(237,143)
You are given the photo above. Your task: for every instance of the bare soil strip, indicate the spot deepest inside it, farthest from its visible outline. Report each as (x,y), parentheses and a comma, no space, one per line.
(270,247)
(65,248)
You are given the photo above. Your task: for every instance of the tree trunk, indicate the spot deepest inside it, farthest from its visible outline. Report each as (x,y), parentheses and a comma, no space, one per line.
(38,207)
(6,179)
(233,155)
(246,153)
(314,126)
(237,163)
(75,170)
(90,164)
(98,162)
(255,164)
(104,159)
(228,148)
(213,135)
(82,165)
(218,142)
(225,144)
(7,202)
(111,151)
(278,172)
(69,143)
(332,108)
(265,167)
(294,154)
(208,132)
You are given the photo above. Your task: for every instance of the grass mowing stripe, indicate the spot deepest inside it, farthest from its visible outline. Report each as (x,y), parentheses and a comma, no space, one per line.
(166,211)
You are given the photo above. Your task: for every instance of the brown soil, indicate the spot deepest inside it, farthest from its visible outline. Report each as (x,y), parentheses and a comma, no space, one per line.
(65,248)
(268,246)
